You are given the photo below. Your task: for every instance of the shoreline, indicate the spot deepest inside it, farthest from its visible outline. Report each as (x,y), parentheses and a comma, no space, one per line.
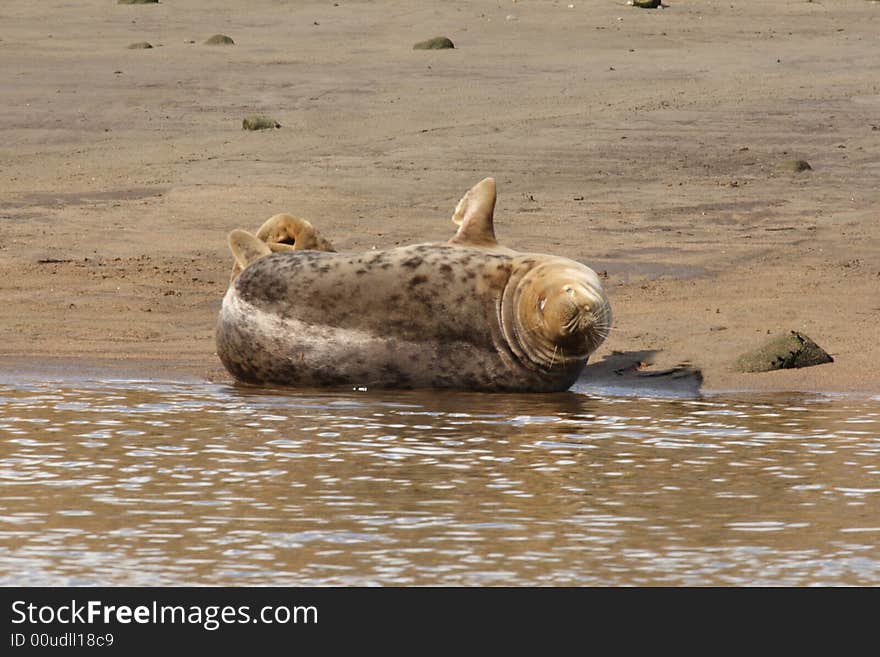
(675,385)
(644,144)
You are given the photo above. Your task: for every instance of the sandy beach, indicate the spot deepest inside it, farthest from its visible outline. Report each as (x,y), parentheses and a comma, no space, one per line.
(643,143)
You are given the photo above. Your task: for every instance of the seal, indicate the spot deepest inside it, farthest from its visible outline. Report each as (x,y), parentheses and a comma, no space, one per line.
(467,314)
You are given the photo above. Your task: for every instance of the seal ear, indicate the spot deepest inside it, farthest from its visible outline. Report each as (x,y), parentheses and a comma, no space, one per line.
(474,214)
(245,249)
(293,231)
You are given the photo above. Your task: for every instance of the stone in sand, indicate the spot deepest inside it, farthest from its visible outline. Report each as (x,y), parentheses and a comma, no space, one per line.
(220,40)
(137,2)
(140,45)
(437,43)
(646,4)
(794,166)
(257,122)
(789,350)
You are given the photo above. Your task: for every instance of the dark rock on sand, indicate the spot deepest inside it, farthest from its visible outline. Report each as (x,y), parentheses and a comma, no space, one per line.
(794,166)
(437,43)
(646,4)
(786,351)
(140,45)
(220,40)
(256,122)
(137,2)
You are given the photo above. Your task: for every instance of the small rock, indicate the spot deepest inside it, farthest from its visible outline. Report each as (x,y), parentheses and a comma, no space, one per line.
(220,40)
(437,43)
(646,4)
(786,351)
(137,2)
(257,122)
(794,166)
(140,45)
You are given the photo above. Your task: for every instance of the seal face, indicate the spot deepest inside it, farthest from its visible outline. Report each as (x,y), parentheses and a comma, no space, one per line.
(469,314)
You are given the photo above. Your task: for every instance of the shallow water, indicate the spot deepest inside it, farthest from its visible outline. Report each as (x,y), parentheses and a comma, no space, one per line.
(143,483)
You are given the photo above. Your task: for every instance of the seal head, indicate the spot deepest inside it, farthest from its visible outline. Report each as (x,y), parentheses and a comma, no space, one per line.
(557,313)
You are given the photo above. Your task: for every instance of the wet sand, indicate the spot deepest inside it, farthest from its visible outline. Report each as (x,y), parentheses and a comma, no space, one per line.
(643,143)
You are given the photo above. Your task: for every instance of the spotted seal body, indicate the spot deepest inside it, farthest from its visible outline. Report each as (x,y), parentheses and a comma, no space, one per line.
(468,314)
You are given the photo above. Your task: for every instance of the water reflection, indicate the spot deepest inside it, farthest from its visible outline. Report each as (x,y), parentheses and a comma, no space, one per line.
(143,483)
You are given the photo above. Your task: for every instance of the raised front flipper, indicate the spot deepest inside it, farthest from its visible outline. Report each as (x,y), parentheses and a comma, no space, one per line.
(474,216)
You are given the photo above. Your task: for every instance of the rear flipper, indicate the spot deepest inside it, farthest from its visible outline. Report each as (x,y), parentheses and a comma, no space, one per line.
(290,230)
(245,249)
(281,232)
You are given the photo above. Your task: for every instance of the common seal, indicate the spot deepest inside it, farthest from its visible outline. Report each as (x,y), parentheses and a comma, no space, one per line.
(467,314)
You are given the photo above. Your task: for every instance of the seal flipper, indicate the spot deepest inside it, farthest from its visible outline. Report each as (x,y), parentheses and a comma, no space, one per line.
(474,214)
(245,249)
(280,247)
(292,231)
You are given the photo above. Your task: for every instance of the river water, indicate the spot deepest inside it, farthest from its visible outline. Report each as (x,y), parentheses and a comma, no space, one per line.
(126,482)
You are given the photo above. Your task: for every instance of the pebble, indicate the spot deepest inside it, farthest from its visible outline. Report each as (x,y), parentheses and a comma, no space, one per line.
(789,350)
(258,122)
(219,40)
(794,166)
(437,43)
